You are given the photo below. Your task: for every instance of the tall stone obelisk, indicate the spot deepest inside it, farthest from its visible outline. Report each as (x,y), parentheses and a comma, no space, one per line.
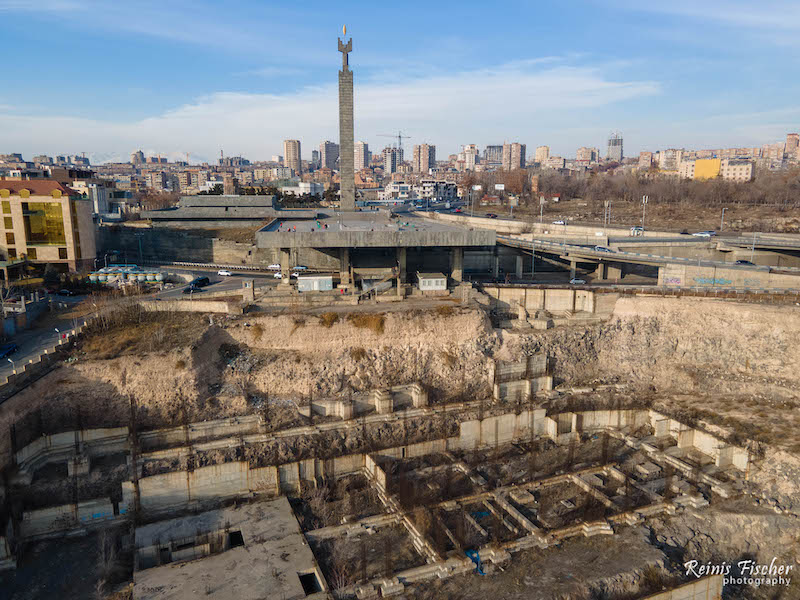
(346,140)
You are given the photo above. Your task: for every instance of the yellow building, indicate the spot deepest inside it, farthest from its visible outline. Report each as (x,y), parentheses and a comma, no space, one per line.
(707,168)
(47,222)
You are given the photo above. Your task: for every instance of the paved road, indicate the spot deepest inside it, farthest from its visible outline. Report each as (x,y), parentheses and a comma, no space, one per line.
(34,341)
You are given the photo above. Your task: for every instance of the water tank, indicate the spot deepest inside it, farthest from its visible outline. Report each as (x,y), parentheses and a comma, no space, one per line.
(93,277)
(140,277)
(159,277)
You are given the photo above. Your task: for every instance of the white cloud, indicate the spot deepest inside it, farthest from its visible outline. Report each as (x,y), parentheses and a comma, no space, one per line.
(483,106)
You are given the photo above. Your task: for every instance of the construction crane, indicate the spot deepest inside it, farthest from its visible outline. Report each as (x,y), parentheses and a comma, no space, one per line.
(400,137)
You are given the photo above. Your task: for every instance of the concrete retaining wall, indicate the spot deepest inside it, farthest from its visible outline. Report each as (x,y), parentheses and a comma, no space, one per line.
(204,306)
(66,517)
(707,588)
(533,299)
(675,276)
(56,447)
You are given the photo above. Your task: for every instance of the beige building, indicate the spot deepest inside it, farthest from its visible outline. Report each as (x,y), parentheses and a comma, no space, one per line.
(291,155)
(645,160)
(47,222)
(542,154)
(588,155)
(686,169)
(513,156)
(424,158)
(361,156)
(736,170)
(792,144)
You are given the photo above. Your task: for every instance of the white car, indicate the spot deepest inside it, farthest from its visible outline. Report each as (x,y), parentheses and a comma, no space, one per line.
(559,223)
(295,275)
(224,273)
(577,282)
(275,267)
(278,275)
(703,234)
(602,249)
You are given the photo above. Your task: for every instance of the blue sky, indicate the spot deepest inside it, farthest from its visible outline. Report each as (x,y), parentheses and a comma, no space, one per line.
(175,77)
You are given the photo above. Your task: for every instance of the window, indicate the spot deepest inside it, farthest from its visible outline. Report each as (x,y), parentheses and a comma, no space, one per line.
(310,583)
(235,539)
(62,253)
(12,253)
(32,253)
(44,222)
(6,207)
(10,239)
(8,222)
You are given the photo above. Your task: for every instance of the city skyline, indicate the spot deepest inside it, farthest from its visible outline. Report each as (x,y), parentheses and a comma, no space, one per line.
(564,100)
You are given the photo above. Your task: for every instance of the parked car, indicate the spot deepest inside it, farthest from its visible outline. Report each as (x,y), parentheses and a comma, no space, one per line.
(299,268)
(294,274)
(66,292)
(602,249)
(745,263)
(491,215)
(704,234)
(577,281)
(559,223)
(637,230)
(458,210)
(224,273)
(274,267)
(278,275)
(7,350)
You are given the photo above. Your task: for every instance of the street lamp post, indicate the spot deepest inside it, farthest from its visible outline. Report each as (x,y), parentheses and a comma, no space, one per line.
(722,221)
(644,206)
(13,366)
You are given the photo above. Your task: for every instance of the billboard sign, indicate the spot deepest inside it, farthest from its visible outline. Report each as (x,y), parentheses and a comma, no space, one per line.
(500,187)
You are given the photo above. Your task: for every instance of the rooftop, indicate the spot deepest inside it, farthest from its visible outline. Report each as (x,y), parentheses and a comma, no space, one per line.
(268,561)
(36,187)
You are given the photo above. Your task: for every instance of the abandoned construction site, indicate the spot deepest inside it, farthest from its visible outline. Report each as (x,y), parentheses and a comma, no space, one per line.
(520,442)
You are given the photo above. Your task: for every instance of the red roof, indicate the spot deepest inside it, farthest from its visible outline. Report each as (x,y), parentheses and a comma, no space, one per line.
(37,187)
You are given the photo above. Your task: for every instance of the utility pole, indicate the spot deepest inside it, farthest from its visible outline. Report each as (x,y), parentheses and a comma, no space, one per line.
(753,248)
(722,221)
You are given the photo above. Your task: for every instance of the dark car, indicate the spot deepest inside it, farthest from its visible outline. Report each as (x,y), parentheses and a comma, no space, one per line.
(199,282)
(66,292)
(7,350)
(191,289)
(745,263)
(492,216)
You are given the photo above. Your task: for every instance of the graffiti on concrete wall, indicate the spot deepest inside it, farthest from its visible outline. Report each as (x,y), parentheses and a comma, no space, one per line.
(712,281)
(672,281)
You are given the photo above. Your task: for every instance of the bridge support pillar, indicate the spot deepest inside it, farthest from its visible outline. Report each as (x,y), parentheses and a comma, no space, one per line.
(401,269)
(496,265)
(344,266)
(601,272)
(457,264)
(519,266)
(615,273)
(285,267)
(572,267)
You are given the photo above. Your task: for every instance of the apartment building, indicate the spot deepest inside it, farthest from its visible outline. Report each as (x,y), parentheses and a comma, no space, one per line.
(329,154)
(291,154)
(493,154)
(736,170)
(586,155)
(47,222)
(392,159)
(513,156)
(361,158)
(424,158)
(542,154)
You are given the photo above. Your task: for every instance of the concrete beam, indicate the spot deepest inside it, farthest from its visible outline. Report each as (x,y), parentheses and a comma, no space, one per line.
(344,266)
(519,267)
(285,266)
(401,265)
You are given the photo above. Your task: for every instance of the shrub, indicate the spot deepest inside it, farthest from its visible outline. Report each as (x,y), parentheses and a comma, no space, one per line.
(368,321)
(358,353)
(445,311)
(180,364)
(328,319)
(258,331)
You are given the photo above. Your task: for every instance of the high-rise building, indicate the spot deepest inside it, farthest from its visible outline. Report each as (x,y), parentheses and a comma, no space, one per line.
(137,158)
(669,160)
(471,157)
(392,159)
(315,160)
(291,155)
(328,154)
(424,158)
(792,143)
(493,154)
(361,156)
(645,160)
(542,154)
(513,156)
(615,147)
(587,155)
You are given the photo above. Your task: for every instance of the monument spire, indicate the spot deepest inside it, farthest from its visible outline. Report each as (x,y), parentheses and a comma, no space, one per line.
(347,185)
